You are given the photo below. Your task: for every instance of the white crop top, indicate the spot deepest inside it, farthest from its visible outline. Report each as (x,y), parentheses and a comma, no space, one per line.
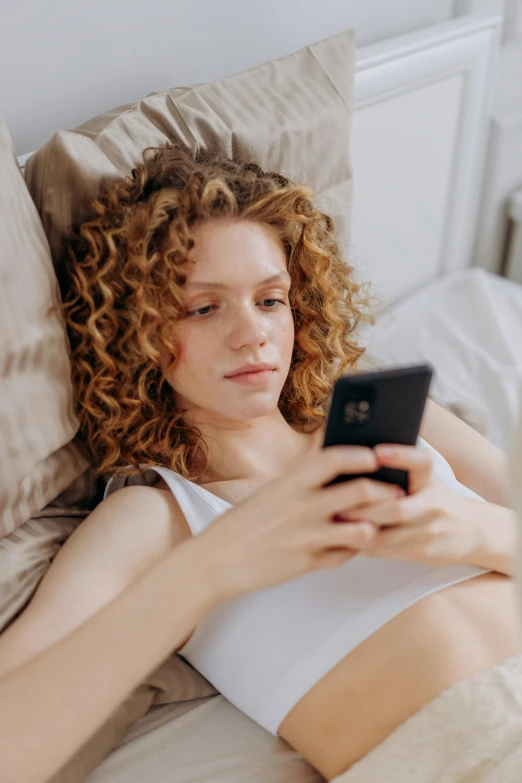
(264,651)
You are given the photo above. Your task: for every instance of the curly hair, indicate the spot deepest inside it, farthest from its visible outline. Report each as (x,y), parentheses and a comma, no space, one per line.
(123,292)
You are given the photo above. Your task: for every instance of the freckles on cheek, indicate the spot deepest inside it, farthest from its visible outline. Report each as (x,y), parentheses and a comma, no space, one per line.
(198,357)
(285,332)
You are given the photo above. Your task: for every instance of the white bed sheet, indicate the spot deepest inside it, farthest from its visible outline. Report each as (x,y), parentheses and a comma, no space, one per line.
(468,325)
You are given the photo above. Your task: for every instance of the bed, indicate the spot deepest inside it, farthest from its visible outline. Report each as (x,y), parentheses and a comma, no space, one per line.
(418,150)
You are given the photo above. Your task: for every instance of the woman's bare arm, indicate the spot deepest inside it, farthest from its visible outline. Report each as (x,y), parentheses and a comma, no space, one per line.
(95,629)
(119,541)
(58,699)
(476,462)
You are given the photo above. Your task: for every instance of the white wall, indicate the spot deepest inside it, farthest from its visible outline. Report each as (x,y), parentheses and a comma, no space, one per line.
(504,155)
(510,9)
(64,61)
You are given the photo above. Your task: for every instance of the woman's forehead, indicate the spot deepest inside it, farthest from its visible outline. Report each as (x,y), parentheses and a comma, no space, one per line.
(225,249)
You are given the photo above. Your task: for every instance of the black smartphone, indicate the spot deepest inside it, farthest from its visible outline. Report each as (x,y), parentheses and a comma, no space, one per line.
(385,406)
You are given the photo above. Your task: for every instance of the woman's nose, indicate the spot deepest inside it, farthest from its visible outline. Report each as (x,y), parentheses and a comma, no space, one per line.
(248,326)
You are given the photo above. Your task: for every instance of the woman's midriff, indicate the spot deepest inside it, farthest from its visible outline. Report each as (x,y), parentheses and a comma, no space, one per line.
(444,638)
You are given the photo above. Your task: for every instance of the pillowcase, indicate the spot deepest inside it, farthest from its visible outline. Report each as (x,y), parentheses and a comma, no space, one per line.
(27,552)
(292,115)
(38,457)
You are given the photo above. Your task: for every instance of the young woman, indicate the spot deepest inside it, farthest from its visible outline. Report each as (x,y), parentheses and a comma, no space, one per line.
(209,314)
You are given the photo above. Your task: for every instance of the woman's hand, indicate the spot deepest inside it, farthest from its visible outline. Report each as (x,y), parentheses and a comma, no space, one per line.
(286,528)
(432,525)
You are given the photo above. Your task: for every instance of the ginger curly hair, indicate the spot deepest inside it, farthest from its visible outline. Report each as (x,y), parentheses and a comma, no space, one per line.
(122,291)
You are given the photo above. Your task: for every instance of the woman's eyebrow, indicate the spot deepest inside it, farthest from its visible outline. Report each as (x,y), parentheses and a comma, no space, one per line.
(280,276)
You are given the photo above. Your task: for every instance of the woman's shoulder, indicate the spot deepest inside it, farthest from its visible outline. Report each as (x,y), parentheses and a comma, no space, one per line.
(148,504)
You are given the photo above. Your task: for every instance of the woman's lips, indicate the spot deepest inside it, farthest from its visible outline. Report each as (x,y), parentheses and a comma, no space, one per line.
(252,378)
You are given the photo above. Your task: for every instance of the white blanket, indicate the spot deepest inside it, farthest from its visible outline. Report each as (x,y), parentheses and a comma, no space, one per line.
(471,733)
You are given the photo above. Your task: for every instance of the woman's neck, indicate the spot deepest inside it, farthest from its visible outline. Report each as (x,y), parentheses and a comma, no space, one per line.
(262,449)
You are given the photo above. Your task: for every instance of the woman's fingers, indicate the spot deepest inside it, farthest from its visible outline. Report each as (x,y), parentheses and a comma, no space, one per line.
(323,465)
(407,510)
(351,535)
(417,462)
(342,498)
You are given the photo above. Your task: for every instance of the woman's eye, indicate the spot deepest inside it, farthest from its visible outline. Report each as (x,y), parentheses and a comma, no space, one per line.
(280,301)
(194,312)
(202,311)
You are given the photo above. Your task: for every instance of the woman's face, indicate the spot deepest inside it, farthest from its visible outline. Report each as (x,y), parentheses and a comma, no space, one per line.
(236,296)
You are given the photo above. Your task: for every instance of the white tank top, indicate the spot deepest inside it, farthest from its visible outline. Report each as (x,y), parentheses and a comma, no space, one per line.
(264,651)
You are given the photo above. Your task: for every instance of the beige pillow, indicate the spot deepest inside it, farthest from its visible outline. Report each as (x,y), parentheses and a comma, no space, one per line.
(38,458)
(27,552)
(292,115)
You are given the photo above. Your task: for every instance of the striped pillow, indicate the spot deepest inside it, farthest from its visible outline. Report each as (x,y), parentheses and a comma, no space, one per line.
(27,552)
(38,457)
